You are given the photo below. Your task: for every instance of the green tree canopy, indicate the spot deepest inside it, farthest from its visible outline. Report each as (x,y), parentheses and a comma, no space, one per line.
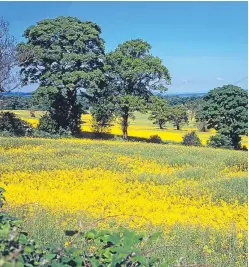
(160,111)
(226,110)
(133,74)
(178,116)
(68,59)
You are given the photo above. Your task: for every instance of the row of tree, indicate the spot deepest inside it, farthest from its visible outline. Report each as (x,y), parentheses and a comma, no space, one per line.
(66,57)
(69,60)
(161,113)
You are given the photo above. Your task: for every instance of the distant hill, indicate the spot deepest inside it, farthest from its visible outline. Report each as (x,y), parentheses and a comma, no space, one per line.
(183,94)
(16,94)
(165,94)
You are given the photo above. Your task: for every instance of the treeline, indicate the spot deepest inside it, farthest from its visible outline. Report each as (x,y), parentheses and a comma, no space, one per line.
(67,58)
(20,102)
(27,102)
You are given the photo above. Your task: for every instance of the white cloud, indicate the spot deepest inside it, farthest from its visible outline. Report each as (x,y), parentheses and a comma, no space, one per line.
(184,81)
(219,79)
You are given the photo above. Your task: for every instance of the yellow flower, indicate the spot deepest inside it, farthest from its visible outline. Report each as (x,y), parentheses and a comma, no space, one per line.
(67,244)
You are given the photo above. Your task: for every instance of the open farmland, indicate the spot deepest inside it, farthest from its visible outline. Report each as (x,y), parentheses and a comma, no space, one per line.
(140,127)
(196,196)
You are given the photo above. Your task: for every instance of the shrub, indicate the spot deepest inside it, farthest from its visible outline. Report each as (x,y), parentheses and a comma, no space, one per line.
(100,127)
(155,139)
(14,126)
(191,139)
(102,248)
(47,124)
(220,140)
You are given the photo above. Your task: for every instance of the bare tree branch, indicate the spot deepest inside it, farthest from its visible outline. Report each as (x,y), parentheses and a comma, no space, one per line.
(9,59)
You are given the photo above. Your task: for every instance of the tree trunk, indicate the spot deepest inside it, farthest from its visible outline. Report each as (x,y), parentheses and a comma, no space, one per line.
(178,126)
(125,125)
(72,115)
(160,124)
(236,139)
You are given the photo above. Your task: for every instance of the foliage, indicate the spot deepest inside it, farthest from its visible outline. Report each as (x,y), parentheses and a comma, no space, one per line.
(10,123)
(47,124)
(160,111)
(174,100)
(132,74)
(191,139)
(178,116)
(14,102)
(102,111)
(225,109)
(202,126)
(100,125)
(155,139)
(101,248)
(220,140)
(68,58)
(193,106)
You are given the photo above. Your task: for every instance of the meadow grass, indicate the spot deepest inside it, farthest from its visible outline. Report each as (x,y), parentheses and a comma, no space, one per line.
(197,197)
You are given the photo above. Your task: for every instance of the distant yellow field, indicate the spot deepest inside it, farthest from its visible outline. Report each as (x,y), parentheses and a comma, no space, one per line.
(140,127)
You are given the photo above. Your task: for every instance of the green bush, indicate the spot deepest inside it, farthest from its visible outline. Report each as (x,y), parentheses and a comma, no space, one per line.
(47,124)
(220,141)
(102,248)
(48,127)
(155,139)
(191,139)
(14,126)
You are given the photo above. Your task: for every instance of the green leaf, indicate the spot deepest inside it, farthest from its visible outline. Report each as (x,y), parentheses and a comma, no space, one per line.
(50,256)
(23,239)
(114,239)
(7,264)
(55,264)
(90,235)
(126,251)
(65,259)
(139,258)
(28,249)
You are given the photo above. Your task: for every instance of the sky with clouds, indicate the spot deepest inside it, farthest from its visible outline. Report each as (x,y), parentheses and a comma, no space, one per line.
(203,44)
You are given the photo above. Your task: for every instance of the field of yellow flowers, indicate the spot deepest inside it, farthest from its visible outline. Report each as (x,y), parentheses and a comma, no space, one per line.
(196,196)
(141,127)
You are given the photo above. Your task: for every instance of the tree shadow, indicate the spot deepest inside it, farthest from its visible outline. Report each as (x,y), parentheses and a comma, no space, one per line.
(109,136)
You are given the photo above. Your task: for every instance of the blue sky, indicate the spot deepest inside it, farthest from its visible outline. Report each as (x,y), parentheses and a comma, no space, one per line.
(203,44)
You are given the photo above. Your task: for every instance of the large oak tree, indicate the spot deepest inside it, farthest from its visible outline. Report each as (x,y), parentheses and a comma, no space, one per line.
(68,59)
(226,110)
(133,75)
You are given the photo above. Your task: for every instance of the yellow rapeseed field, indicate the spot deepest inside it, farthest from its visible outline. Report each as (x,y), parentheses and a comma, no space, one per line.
(95,178)
(141,127)
(196,196)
